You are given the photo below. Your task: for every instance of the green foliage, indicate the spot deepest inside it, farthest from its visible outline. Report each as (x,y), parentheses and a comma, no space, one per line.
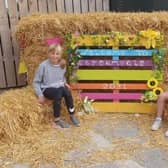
(158,58)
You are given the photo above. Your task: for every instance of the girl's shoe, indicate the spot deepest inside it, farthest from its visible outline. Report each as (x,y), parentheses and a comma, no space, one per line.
(62,124)
(75,121)
(156,124)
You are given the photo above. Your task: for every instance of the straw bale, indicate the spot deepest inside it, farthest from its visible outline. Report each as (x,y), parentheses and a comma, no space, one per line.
(33,30)
(27,132)
(20,110)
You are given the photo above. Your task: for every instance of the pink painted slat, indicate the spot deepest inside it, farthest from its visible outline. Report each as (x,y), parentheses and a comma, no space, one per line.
(116,63)
(112,96)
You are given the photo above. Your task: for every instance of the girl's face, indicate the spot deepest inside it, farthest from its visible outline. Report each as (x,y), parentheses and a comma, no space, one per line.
(54,57)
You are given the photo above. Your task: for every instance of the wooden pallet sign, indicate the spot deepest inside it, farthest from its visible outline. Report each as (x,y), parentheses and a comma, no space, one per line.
(120,72)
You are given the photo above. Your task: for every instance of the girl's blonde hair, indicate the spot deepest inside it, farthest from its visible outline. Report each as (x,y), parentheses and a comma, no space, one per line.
(56,48)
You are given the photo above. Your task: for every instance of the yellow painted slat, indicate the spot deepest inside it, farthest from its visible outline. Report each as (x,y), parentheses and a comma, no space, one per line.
(122,107)
(108,40)
(115,74)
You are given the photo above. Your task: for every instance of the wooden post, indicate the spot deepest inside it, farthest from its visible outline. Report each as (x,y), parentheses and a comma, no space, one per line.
(23,8)
(92,5)
(2,72)
(99,5)
(68,6)
(13,19)
(7,46)
(106,5)
(43,6)
(85,6)
(51,6)
(77,6)
(33,6)
(60,6)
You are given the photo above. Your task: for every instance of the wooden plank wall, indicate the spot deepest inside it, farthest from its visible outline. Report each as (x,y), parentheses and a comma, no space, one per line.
(11,11)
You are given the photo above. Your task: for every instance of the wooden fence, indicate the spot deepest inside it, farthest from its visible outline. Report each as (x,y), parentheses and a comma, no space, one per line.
(11,11)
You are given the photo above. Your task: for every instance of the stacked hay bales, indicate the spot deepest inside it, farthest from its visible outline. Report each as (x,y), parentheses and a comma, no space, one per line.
(33,30)
(22,120)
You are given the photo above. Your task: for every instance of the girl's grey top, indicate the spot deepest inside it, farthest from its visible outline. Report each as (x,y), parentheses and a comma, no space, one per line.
(48,75)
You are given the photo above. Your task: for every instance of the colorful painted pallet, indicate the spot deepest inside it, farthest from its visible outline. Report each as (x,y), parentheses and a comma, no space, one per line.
(119,80)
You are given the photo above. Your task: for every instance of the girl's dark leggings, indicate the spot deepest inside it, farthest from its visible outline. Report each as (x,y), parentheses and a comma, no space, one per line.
(56,95)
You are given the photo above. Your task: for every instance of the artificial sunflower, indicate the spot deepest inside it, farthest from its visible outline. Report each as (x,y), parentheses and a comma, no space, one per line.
(150,34)
(152,83)
(157,91)
(149,38)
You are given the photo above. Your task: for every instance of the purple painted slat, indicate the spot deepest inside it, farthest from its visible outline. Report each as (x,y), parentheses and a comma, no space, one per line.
(113,96)
(116,63)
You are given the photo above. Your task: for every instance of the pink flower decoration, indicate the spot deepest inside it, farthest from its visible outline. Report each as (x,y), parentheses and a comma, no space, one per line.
(77,33)
(56,40)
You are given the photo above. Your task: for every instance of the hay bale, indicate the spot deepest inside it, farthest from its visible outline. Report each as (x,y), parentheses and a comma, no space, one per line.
(21,111)
(27,133)
(33,30)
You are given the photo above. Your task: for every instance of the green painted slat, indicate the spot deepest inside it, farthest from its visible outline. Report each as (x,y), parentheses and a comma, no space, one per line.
(115,74)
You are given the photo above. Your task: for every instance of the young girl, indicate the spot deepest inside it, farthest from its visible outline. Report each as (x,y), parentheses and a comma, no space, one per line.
(50,82)
(160,109)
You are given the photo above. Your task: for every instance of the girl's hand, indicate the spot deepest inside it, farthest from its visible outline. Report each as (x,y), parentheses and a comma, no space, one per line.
(41,99)
(62,63)
(68,86)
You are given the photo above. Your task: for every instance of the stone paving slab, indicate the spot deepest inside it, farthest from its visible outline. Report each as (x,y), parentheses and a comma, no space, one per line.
(99,140)
(28,166)
(47,166)
(152,158)
(125,132)
(126,129)
(118,164)
(75,155)
(21,166)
